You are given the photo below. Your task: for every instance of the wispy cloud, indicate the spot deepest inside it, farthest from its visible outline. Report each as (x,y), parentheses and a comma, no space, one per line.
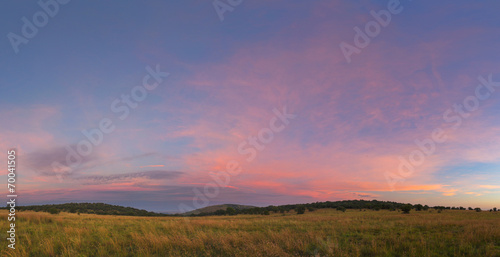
(41,160)
(152,166)
(108,179)
(490,186)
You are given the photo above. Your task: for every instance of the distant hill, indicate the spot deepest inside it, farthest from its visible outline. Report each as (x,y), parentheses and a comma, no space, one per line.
(361,205)
(301,208)
(92,208)
(214,208)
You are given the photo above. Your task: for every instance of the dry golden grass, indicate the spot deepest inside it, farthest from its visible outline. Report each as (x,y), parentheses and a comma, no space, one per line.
(320,233)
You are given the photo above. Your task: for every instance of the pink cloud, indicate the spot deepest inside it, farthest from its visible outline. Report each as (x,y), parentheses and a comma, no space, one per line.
(152,166)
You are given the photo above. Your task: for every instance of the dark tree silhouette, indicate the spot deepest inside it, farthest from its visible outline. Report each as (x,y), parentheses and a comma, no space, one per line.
(54,211)
(230,211)
(406,208)
(341,208)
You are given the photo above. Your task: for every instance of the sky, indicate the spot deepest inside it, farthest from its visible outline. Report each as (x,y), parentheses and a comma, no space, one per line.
(174,106)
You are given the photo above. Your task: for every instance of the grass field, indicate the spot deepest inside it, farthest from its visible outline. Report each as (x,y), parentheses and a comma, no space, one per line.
(323,232)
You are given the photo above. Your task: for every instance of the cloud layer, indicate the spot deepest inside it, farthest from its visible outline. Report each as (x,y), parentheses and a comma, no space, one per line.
(354,121)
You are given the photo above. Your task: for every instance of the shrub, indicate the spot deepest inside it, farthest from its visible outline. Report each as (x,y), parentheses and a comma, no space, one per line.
(301,209)
(406,208)
(230,211)
(341,208)
(220,212)
(54,211)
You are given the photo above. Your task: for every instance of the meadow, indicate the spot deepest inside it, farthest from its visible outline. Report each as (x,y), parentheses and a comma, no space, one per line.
(324,232)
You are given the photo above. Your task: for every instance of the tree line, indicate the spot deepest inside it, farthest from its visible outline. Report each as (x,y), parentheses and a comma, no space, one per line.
(108,209)
(338,205)
(91,208)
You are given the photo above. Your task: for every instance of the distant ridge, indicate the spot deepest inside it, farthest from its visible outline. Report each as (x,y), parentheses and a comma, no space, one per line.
(235,209)
(214,208)
(91,208)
